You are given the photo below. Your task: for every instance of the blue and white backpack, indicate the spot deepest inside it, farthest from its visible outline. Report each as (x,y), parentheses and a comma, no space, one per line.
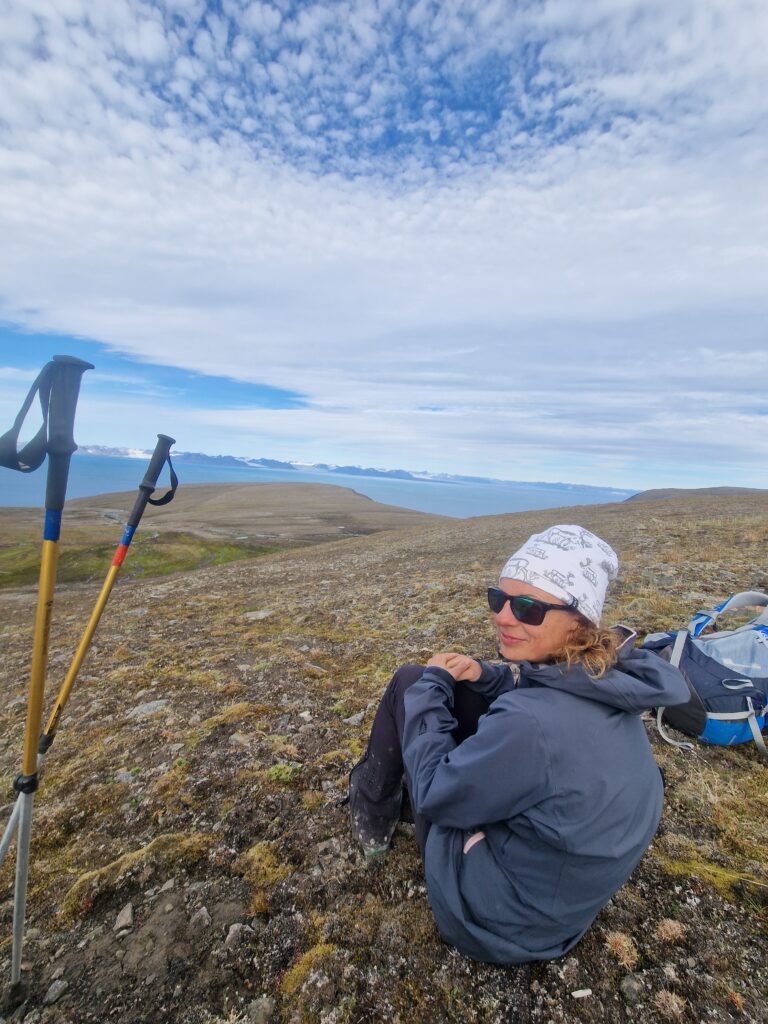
(726,672)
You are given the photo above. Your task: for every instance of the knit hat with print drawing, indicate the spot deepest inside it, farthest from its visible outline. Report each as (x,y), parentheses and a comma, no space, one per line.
(567,562)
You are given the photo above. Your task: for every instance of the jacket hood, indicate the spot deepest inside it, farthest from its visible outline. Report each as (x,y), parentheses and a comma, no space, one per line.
(639,681)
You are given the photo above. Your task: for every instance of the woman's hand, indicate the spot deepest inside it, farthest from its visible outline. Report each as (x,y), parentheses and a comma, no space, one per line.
(458,665)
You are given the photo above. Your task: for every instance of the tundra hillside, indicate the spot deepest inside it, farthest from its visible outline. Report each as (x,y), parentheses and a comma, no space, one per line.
(191,857)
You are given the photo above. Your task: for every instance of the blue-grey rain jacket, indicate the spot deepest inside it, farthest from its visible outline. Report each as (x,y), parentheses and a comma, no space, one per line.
(561,781)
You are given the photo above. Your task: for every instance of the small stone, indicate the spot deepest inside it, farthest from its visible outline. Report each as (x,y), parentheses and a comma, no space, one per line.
(119,954)
(167,886)
(261,1010)
(240,739)
(305,716)
(631,989)
(167,908)
(58,973)
(200,920)
(354,719)
(127,777)
(234,936)
(178,992)
(124,918)
(146,710)
(258,616)
(582,993)
(55,992)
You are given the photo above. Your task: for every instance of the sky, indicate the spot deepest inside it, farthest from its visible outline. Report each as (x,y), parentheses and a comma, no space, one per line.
(525,240)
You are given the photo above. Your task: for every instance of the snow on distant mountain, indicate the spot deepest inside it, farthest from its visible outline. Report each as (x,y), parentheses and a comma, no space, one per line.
(199,458)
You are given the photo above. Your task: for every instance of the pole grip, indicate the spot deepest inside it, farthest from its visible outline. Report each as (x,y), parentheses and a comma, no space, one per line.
(159,458)
(65,388)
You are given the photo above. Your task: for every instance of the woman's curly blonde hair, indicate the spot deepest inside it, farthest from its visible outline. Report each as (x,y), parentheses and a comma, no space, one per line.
(593,647)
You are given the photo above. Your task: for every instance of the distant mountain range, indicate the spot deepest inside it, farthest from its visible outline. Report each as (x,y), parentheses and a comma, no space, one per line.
(663,493)
(198,458)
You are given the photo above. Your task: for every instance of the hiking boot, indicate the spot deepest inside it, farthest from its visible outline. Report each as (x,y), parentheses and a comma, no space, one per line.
(374,806)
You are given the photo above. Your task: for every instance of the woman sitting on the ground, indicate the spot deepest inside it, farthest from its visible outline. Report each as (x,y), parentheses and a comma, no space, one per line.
(533,785)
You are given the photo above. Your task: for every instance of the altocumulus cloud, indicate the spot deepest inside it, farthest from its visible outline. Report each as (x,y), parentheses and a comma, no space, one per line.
(522,239)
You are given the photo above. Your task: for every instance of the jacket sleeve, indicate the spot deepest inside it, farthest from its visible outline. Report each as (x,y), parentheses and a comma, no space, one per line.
(494,680)
(492,776)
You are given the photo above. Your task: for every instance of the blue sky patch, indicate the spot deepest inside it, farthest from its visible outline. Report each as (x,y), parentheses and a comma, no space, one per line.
(114,373)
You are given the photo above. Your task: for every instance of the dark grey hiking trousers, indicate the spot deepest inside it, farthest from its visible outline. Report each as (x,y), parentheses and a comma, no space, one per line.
(380,773)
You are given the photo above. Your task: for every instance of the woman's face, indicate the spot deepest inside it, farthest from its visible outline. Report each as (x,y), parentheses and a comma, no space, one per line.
(520,642)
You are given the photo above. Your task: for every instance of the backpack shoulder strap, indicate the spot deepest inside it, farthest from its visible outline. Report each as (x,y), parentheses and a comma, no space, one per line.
(744,599)
(682,744)
(674,659)
(677,647)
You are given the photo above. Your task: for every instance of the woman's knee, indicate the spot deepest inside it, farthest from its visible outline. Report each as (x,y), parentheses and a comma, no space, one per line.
(404,677)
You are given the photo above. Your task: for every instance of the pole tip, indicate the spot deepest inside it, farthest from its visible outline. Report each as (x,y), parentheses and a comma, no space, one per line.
(14,995)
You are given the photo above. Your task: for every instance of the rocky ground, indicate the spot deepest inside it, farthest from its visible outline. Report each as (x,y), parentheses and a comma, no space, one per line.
(191,859)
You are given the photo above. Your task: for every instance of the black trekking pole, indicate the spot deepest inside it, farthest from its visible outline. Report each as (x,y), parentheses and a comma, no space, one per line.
(160,457)
(58,387)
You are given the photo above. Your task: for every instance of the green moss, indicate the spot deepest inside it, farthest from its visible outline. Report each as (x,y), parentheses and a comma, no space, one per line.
(696,866)
(168,852)
(295,976)
(263,870)
(282,773)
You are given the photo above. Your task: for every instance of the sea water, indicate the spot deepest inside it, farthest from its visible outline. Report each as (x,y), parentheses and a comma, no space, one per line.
(99,474)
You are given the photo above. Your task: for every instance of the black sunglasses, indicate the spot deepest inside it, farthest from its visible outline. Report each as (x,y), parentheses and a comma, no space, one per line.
(526,609)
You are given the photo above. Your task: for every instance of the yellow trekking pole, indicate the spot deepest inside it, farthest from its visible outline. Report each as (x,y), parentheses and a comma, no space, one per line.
(58,387)
(160,457)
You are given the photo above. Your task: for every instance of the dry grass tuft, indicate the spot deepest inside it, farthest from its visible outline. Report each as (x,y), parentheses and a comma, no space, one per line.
(622,947)
(735,1000)
(668,1005)
(669,930)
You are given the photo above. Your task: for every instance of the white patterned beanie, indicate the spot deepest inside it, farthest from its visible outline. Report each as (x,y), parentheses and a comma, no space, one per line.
(567,562)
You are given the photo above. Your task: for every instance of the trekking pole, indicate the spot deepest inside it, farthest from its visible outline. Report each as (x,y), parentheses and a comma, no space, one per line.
(59,387)
(160,456)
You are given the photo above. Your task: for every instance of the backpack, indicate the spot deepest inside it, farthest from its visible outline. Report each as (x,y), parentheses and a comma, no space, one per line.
(726,673)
